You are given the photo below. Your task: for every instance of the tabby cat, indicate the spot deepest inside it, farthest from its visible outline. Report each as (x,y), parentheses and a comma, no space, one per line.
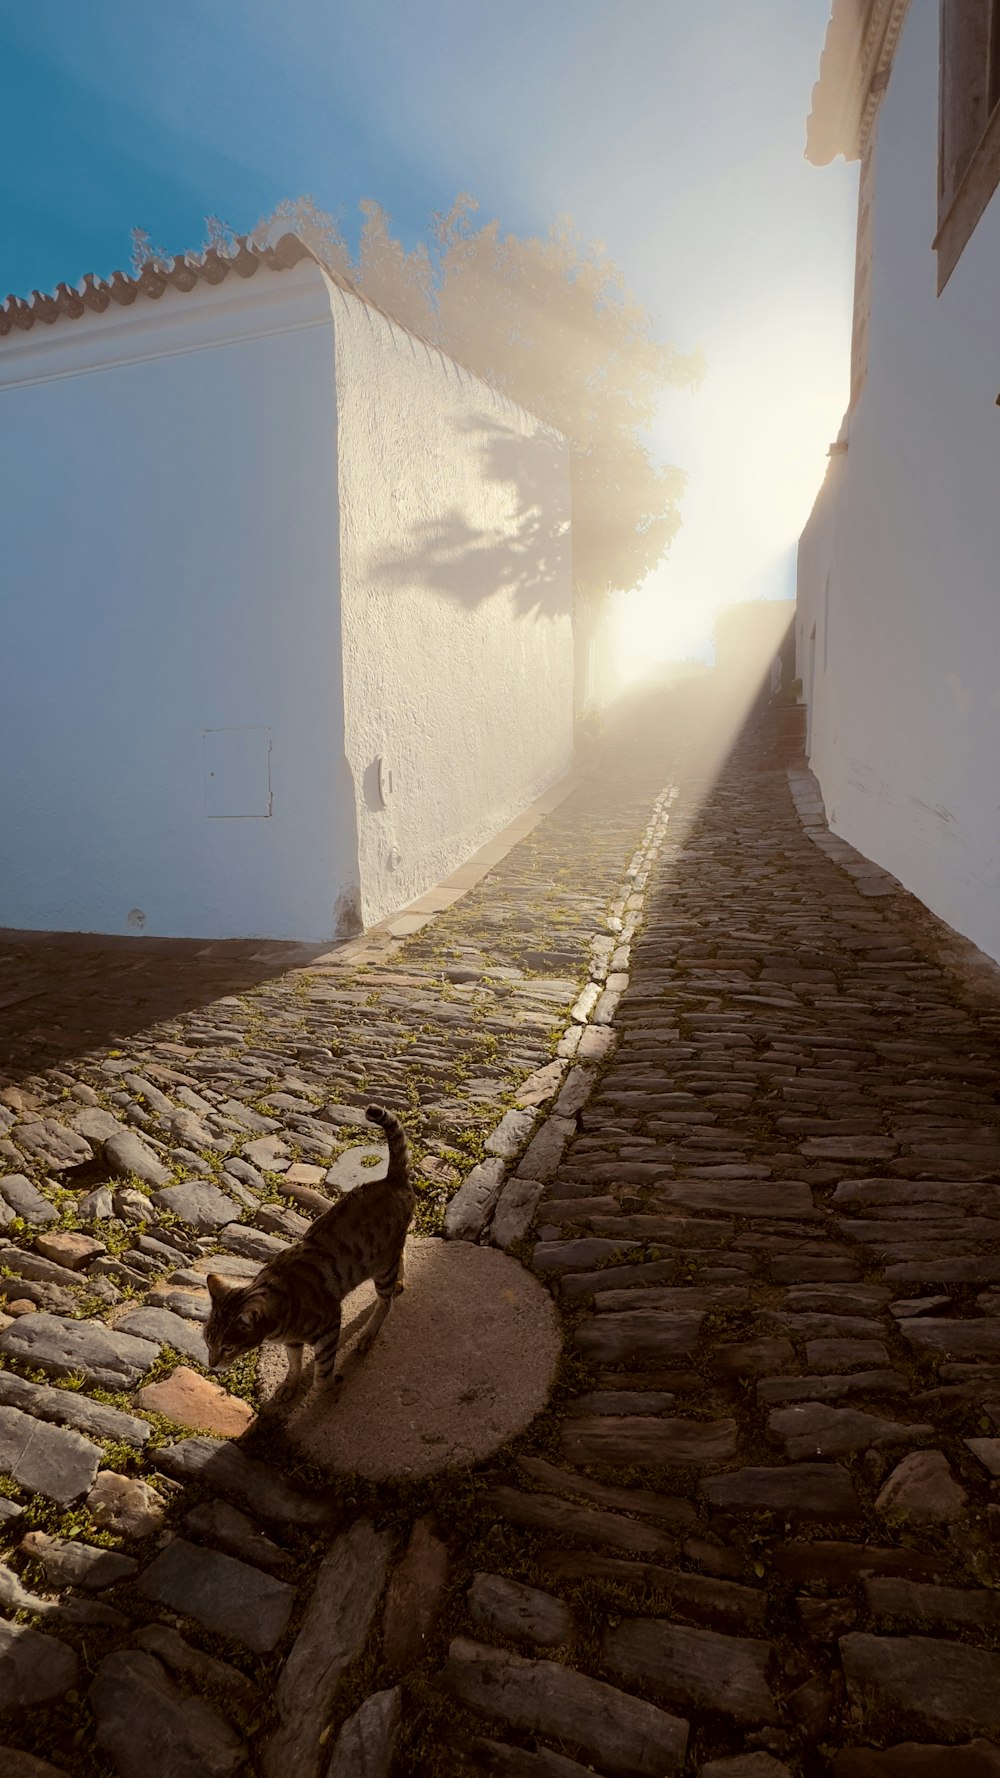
(296,1297)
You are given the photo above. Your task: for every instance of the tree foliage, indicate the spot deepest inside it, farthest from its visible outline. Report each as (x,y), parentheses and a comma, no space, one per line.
(549,321)
(144,253)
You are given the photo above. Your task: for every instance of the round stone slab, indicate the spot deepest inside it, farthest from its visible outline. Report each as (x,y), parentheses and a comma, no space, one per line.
(465,1359)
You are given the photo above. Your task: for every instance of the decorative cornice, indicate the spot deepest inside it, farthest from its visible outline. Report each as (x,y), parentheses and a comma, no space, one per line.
(854,71)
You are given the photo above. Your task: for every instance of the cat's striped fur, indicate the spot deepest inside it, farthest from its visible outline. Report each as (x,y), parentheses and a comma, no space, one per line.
(295,1299)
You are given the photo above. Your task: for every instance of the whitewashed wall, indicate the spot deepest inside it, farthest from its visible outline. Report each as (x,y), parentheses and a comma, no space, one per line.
(457,605)
(899,568)
(169,567)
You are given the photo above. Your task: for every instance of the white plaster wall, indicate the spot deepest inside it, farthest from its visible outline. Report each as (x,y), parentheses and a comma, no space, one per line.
(456,600)
(169,566)
(905,718)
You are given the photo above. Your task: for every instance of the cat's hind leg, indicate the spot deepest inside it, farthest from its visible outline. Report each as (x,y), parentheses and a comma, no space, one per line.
(372,1328)
(386,1285)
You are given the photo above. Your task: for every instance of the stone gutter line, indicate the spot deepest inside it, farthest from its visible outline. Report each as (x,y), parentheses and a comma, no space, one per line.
(493,1203)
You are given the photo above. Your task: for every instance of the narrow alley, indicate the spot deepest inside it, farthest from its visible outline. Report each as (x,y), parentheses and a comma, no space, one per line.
(755,1531)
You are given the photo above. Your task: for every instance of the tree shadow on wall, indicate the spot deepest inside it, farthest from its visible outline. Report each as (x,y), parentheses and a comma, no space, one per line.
(525,552)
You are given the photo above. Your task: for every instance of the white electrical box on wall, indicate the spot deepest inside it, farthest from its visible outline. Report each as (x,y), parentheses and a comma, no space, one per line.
(237,773)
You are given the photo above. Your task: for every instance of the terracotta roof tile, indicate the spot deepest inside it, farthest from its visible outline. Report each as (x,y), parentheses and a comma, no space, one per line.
(183,273)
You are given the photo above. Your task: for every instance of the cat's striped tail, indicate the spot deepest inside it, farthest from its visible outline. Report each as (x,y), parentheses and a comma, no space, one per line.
(399,1149)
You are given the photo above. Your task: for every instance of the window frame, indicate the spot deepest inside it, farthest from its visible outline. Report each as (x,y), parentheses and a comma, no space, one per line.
(960,210)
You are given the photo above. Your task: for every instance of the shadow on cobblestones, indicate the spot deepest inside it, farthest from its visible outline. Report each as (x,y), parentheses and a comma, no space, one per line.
(66,993)
(753,1535)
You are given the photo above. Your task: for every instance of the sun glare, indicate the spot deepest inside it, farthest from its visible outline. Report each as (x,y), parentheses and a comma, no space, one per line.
(753,440)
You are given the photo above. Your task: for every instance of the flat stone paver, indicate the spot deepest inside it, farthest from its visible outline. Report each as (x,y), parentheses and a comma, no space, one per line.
(696,1668)
(225,1595)
(63,1347)
(35,1668)
(152,1728)
(190,1399)
(44,1459)
(624,1733)
(749,1146)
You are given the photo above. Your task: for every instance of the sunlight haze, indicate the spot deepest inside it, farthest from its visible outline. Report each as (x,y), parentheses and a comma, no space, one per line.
(671,132)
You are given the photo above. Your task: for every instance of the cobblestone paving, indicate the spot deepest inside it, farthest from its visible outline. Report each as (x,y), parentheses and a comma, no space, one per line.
(716,1089)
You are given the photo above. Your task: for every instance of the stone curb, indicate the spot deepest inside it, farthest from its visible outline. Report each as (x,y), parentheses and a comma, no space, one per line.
(868,878)
(491,1206)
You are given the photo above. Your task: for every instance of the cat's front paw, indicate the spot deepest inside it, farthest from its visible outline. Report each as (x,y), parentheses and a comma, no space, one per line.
(327,1388)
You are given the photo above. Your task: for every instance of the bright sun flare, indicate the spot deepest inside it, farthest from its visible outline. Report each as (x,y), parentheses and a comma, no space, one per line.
(754,440)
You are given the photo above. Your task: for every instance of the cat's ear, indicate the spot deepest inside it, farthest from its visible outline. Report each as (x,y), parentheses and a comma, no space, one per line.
(252,1315)
(218,1289)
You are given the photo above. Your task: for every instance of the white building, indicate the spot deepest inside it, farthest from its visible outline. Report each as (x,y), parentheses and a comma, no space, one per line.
(287,610)
(899,567)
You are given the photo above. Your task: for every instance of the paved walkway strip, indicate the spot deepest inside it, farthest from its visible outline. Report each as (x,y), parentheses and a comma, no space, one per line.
(697,1064)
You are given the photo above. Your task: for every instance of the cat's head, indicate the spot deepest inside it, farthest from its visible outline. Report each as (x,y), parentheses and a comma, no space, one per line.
(237,1323)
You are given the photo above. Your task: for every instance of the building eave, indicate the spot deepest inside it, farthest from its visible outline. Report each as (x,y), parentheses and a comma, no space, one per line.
(184,273)
(854,71)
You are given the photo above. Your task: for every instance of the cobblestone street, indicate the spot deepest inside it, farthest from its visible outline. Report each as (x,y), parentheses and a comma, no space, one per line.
(705,1072)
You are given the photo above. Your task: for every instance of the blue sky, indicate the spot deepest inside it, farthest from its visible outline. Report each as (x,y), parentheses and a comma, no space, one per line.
(672,130)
